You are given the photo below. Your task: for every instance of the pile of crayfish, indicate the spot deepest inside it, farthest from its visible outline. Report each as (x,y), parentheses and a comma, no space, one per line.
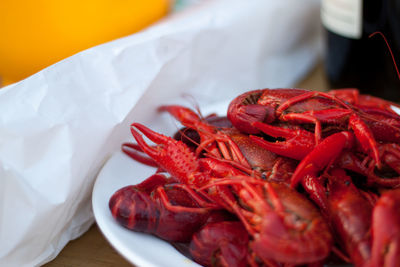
(290,177)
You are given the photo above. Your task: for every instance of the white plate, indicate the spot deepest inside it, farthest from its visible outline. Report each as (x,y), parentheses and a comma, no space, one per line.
(139,249)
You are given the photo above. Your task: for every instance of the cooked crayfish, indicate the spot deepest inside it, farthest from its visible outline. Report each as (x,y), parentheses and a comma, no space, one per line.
(367,226)
(233,193)
(289,114)
(162,207)
(268,210)
(330,144)
(219,140)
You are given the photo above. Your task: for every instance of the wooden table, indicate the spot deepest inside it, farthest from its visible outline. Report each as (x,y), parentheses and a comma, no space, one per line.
(93,250)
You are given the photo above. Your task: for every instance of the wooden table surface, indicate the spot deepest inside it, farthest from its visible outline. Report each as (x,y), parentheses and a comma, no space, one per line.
(93,250)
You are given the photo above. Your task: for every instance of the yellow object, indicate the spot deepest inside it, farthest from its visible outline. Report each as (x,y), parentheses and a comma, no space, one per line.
(37,33)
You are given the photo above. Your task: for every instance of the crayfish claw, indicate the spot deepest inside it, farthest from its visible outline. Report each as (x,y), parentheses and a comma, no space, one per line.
(171,155)
(152,135)
(149,150)
(135,152)
(298,143)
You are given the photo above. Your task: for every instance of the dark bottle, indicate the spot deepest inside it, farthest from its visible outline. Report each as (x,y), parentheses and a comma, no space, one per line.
(353,59)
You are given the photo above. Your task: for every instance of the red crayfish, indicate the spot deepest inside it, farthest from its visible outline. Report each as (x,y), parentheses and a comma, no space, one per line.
(303,118)
(326,133)
(293,178)
(220,173)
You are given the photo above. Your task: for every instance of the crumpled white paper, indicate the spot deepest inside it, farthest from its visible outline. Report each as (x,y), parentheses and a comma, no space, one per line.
(59,126)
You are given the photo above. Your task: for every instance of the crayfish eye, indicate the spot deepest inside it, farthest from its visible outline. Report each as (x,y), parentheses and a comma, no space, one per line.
(264,176)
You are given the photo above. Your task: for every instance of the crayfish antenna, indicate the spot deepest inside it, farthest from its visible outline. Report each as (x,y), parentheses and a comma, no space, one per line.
(185,115)
(390,50)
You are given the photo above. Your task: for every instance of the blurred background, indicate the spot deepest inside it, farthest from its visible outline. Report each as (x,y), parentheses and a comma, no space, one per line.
(363,45)
(36,34)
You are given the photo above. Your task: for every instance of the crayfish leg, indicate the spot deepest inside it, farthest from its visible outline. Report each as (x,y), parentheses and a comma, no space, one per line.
(323,154)
(365,137)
